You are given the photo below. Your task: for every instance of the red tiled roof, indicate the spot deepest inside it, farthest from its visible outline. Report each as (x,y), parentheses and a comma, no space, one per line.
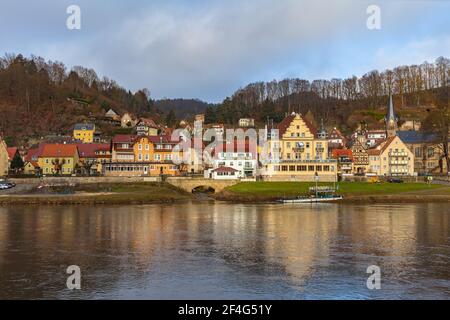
(336,153)
(124,138)
(11,152)
(87,150)
(34,153)
(148,122)
(59,150)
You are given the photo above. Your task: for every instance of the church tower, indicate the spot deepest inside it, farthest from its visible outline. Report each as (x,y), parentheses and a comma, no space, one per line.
(391,120)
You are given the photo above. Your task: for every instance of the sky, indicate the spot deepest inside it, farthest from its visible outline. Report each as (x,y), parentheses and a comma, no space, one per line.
(209,49)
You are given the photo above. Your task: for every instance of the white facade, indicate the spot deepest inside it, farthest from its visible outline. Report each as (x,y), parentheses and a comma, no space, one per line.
(244,162)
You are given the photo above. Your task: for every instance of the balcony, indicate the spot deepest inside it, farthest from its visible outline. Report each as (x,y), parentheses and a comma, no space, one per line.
(298,149)
(320,150)
(398,154)
(398,162)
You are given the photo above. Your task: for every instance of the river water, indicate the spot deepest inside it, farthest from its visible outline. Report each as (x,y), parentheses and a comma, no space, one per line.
(223,251)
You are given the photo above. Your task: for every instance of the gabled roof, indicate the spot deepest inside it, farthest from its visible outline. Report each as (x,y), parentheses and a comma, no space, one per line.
(148,122)
(84,126)
(11,152)
(285,124)
(336,153)
(59,150)
(381,147)
(88,150)
(225,169)
(111,112)
(34,153)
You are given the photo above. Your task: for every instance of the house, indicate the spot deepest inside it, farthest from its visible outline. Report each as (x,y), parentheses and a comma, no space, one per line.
(143,156)
(223,173)
(391,158)
(360,157)
(58,159)
(122,148)
(112,114)
(336,140)
(240,157)
(147,127)
(127,121)
(374,137)
(428,155)
(84,132)
(344,159)
(297,154)
(31,160)
(93,156)
(4,159)
(246,122)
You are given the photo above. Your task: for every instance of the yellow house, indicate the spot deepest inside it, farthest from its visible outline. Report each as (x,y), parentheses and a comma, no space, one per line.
(297,153)
(391,158)
(142,156)
(58,159)
(84,132)
(4,162)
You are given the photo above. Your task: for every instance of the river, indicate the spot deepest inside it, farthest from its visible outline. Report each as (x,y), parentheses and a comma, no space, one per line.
(210,250)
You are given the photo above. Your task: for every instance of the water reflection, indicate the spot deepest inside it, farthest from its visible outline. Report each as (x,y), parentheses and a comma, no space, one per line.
(226,251)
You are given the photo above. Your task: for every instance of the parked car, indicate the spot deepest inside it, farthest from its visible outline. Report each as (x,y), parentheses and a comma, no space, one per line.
(6,185)
(395,180)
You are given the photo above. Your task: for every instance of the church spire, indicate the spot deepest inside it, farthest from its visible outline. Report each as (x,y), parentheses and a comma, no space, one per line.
(391,120)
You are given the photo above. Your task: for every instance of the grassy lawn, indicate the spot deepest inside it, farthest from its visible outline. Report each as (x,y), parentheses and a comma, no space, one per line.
(274,189)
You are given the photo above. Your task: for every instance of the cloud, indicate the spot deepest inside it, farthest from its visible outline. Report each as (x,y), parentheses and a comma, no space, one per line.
(415,52)
(206,49)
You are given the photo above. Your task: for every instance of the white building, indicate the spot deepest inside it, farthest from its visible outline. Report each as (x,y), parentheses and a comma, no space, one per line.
(241,159)
(223,173)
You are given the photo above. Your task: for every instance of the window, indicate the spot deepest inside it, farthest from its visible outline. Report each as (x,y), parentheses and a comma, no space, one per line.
(139,146)
(147,147)
(291,168)
(310,168)
(140,157)
(418,152)
(147,157)
(157,157)
(284,168)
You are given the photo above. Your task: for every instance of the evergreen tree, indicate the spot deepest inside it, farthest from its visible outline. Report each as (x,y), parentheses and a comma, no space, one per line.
(171,119)
(210,115)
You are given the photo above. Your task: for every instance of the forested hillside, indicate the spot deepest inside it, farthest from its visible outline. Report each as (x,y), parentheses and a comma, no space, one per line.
(39,97)
(341,102)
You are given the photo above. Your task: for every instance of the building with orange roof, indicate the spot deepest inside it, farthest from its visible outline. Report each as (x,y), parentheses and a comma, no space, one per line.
(297,153)
(143,155)
(391,157)
(344,159)
(58,159)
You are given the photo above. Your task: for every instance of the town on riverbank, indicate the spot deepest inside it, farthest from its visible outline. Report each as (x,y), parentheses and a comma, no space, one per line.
(159,164)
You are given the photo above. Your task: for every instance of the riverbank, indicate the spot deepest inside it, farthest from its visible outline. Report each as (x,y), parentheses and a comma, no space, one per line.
(246,192)
(353,192)
(95,194)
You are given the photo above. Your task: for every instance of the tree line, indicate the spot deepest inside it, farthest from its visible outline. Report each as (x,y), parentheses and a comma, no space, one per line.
(412,86)
(37,96)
